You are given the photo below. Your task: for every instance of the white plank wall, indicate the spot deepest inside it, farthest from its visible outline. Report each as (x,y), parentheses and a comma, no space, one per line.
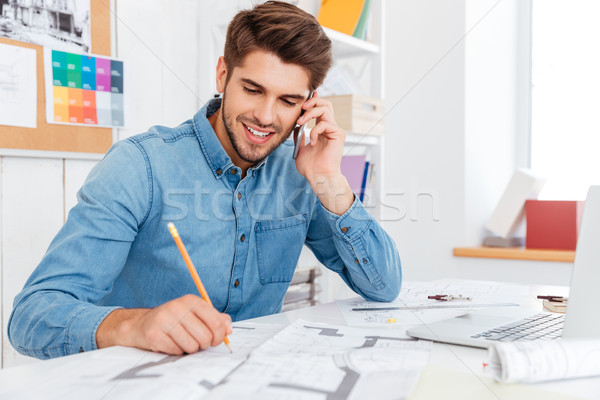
(32,212)
(159,42)
(75,173)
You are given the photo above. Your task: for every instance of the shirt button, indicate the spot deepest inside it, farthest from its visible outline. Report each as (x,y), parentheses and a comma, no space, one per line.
(239,196)
(236,283)
(345,229)
(218,171)
(233,171)
(243,237)
(364,260)
(356,261)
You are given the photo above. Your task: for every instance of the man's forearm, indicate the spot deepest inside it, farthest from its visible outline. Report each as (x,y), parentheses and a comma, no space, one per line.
(334,192)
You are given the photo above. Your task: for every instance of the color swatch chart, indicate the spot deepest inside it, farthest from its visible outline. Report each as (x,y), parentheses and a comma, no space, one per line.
(83,89)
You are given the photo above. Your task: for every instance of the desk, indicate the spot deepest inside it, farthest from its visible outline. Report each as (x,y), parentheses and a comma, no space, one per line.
(453,361)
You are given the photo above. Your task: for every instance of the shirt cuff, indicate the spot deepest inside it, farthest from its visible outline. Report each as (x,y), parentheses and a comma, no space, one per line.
(352,224)
(81,332)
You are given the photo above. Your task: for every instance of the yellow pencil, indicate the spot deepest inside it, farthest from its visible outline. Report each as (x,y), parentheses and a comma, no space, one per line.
(192,269)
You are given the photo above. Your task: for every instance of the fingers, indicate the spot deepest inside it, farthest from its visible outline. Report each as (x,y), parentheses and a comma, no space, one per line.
(318,108)
(208,317)
(327,129)
(184,325)
(164,344)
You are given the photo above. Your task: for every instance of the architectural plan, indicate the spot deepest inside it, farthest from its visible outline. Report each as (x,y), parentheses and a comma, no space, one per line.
(126,373)
(302,361)
(18,86)
(318,361)
(412,306)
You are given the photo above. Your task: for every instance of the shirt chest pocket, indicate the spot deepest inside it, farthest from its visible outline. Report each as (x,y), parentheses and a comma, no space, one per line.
(278,246)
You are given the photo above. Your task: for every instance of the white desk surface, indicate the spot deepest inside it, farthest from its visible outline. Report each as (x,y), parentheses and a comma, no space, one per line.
(451,358)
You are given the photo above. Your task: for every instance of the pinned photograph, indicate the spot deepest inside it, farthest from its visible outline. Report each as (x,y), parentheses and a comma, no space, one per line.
(59,24)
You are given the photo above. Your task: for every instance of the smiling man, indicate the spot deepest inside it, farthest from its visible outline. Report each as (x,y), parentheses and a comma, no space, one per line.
(242,204)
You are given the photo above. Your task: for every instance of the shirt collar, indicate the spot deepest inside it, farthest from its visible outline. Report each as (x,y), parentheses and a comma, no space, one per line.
(213,150)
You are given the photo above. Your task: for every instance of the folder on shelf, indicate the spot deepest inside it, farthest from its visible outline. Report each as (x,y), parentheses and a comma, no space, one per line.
(341,15)
(353,168)
(363,23)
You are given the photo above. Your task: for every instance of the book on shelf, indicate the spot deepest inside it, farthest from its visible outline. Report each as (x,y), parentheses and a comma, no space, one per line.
(346,16)
(359,173)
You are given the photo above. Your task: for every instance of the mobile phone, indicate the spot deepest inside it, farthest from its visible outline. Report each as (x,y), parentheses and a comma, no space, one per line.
(300,135)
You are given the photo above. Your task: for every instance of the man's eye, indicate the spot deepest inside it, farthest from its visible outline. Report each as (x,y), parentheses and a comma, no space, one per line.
(288,103)
(251,91)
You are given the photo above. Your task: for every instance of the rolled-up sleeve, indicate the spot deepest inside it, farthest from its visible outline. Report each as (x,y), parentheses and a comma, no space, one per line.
(356,247)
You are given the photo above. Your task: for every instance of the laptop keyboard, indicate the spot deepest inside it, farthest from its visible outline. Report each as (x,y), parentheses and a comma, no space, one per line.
(544,326)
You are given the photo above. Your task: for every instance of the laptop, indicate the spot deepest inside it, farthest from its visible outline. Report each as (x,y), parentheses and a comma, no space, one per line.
(478,329)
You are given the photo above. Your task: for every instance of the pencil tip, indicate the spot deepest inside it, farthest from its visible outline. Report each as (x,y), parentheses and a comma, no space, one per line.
(229,347)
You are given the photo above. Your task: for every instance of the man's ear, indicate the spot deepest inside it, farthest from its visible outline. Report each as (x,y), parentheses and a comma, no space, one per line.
(221,74)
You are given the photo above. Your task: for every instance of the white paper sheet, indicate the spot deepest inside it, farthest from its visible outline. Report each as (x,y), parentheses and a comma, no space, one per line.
(319,361)
(18,86)
(544,360)
(303,361)
(126,373)
(413,297)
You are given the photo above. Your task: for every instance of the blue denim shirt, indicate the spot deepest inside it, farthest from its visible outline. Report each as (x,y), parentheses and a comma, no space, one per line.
(244,236)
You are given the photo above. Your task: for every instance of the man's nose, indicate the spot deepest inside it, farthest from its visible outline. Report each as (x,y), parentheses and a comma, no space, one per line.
(265,113)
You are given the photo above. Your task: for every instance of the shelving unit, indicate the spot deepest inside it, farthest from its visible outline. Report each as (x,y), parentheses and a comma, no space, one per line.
(370,56)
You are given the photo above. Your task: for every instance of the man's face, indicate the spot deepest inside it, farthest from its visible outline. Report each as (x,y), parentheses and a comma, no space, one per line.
(261,102)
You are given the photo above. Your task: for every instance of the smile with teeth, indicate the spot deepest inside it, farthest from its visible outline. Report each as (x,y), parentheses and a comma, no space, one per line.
(257,132)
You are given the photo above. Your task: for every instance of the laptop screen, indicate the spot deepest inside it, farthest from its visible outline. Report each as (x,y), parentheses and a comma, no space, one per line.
(583,314)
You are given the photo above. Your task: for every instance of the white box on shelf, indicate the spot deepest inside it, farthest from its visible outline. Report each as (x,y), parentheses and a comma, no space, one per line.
(511,208)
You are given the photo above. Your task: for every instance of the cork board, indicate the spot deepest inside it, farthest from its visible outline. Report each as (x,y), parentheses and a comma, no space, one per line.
(53,137)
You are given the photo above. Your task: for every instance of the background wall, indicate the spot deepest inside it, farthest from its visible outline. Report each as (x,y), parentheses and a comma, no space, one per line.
(456,129)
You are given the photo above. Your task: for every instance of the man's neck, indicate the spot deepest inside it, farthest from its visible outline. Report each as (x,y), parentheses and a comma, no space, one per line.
(216,121)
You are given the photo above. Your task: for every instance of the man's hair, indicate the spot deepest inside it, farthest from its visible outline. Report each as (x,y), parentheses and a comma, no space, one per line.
(283,29)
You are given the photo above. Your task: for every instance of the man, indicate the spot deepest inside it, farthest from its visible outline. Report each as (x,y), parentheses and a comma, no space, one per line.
(244,208)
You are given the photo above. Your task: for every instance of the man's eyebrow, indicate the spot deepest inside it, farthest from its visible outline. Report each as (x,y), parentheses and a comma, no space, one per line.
(261,87)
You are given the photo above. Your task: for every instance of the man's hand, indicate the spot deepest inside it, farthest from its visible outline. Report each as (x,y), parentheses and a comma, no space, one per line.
(320,161)
(183,325)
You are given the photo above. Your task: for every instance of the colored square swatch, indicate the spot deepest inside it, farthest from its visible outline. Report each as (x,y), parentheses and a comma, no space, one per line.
(75,97)
(61,104)
(117,114)
(59,59)
(59,77)
(116,76)
(89,107)
(103,75)
(88,73)
(103,110)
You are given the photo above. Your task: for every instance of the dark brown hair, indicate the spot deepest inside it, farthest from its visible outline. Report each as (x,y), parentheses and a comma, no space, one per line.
(283,29)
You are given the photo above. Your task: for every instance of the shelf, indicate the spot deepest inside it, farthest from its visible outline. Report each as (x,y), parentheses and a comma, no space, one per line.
(516,253)
(349,46)
(69,155)
(364,140)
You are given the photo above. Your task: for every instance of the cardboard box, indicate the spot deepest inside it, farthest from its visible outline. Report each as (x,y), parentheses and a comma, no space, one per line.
(553,224)
(359,114)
